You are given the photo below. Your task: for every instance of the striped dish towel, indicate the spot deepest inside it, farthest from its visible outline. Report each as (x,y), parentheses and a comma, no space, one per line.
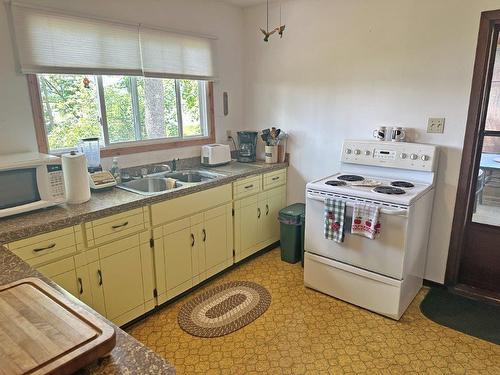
(334,219)
(365,220)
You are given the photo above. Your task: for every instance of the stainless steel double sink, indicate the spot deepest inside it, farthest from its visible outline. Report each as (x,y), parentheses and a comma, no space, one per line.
(167,181)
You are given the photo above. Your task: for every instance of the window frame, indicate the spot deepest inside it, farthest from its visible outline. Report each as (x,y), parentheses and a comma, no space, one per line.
(123,148)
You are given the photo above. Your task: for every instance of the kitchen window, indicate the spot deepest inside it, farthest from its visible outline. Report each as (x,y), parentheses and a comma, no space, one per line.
(137,87)
(122,111)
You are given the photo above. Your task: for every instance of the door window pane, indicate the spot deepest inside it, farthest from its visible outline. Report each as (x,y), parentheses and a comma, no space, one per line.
(119,112)
(487,197)
(493,118)
(70,109)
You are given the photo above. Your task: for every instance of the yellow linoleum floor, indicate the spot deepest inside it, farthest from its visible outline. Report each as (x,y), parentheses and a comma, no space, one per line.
(306,332)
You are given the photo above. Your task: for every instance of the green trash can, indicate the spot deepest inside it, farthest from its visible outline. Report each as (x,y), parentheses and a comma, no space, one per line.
(291,232)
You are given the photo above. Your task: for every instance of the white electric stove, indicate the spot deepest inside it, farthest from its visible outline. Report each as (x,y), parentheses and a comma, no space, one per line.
(385,274)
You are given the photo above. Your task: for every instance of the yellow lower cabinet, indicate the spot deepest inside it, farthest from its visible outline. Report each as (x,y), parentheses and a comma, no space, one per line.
(189,250)
(67,281)
(121,280)
(63,273)
(256,221)
(217,237)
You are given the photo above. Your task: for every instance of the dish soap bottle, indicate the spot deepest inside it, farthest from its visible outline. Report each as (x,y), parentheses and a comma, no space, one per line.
(115,170)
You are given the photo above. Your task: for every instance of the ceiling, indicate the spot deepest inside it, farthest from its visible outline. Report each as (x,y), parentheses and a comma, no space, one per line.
(244,3)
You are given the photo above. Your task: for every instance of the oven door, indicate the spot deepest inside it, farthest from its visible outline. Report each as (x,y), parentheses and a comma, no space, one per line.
(384,255)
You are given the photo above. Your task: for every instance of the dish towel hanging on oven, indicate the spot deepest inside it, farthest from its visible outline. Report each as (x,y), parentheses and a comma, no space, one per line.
(334,219)
(365,220)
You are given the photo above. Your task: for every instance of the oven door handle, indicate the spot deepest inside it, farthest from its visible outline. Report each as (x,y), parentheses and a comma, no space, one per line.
(385,211)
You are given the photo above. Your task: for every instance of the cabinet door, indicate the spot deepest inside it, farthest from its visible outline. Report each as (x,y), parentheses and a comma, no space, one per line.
(67,281)
(121,279)
(83,285)
(178,261)
(273,206)
(214,235)
(95,275)
(249,225)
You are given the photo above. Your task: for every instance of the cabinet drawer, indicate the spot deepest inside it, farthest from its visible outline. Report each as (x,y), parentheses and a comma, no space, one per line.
(116,226)
(274,179)
(41,238)
(191,204)
(246,187)
(47,250)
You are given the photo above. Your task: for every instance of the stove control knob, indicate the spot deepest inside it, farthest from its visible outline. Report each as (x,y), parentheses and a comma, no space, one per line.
(367,152)
(357,152)
(413,156)
(348,151)
(403,155)
(425,157)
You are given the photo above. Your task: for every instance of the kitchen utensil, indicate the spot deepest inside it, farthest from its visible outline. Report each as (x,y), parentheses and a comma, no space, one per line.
(63,337)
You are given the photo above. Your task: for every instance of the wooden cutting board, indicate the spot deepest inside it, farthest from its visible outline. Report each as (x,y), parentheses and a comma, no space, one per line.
(42,332)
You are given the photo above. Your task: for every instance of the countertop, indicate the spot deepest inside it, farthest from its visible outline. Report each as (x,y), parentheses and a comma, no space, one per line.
(115,201)
(128,357)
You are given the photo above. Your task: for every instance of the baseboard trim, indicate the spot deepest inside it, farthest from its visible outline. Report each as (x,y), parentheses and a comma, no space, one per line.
(204,282)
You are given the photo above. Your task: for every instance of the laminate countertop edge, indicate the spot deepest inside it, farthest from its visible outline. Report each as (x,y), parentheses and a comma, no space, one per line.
(111,202)
(128,357)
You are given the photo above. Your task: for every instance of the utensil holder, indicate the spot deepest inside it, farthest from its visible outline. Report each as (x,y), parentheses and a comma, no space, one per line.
(271,154)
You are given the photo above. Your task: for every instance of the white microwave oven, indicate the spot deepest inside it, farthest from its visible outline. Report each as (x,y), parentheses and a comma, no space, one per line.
(30,181)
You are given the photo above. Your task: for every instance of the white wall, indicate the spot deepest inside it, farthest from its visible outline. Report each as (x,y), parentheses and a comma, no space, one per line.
(203,16)
(347,66)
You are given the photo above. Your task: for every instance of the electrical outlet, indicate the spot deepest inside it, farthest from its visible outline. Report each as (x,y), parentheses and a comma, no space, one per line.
(229,134)
(435,125)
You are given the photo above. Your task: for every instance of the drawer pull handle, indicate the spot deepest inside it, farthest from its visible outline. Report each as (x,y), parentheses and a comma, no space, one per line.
(192,240)
(120,225)
(267,209)
(258,213)
(99,273)
(204,235)
(276,178)
(81,285)
(51,246)
(249,186)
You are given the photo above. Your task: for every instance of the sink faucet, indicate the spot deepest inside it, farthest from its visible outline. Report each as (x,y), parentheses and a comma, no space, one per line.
(174,164)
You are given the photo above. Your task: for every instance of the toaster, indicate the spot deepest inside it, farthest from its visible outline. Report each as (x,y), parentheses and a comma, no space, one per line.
(215,154)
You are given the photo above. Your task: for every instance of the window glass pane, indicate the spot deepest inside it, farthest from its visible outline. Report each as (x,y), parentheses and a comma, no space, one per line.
(493,114)
(487,194)
(119,113)
(157,107)
(70,109)
(190,98)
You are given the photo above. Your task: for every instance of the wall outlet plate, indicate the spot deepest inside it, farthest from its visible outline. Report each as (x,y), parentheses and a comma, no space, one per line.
(435,125)
(229,134)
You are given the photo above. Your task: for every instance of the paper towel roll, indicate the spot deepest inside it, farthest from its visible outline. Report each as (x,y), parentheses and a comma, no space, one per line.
(76,179)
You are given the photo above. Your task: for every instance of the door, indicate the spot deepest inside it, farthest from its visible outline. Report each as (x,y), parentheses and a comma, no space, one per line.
(474,257)
(121,279)
(68,282)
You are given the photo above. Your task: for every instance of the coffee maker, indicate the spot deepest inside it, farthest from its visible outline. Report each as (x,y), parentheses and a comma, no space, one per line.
(247,149)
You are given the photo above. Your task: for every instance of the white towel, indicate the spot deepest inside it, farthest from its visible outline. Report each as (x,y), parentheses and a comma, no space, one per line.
(365,220)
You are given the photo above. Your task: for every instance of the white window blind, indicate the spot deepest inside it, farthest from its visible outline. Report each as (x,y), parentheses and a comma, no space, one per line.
(173,55)
(50,41)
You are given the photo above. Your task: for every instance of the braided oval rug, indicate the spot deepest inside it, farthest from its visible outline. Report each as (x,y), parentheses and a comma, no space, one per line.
(224,309)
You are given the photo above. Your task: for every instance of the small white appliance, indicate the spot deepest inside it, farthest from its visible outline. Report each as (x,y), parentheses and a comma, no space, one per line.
(382,275)
(215,154)
(30,181)
(101,180)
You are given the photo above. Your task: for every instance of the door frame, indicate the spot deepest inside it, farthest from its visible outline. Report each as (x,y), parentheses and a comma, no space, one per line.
(481,83)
